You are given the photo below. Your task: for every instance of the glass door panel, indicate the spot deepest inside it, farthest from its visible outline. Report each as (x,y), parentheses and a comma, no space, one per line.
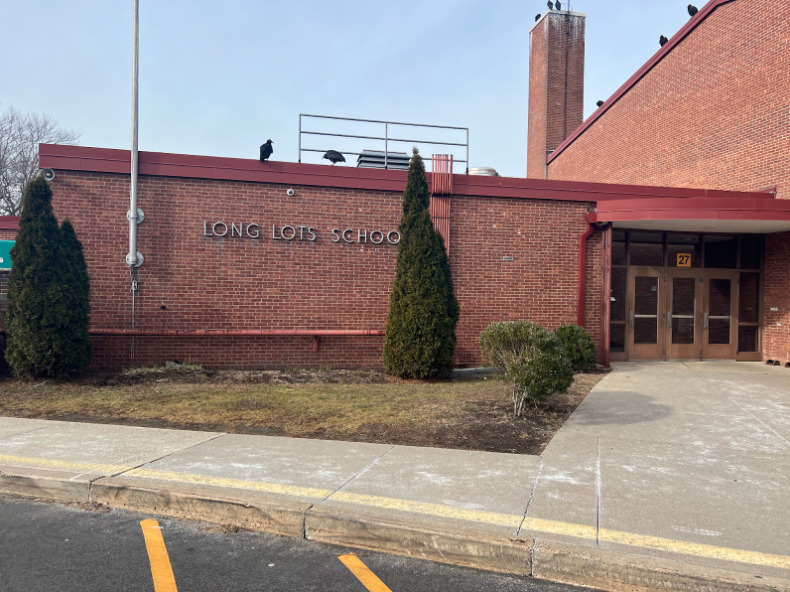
(645,339)
(749,315)
(683,339)
(617,312)
(720,317)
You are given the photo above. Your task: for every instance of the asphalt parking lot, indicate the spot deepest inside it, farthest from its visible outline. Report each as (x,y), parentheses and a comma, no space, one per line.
(61,547)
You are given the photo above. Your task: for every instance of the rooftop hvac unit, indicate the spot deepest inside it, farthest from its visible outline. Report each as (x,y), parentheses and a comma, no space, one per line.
(485,171)
(374,159)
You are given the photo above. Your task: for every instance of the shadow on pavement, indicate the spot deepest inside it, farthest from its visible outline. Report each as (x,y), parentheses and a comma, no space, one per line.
(622,408)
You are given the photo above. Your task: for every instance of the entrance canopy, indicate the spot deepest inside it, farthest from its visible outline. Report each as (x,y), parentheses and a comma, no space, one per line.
(760,214)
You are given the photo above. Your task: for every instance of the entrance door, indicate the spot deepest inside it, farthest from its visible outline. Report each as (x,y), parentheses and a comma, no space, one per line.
(684,315)
(645,318)
(720,319)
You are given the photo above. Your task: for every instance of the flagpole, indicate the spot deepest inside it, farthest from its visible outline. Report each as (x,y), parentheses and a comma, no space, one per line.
(132,258)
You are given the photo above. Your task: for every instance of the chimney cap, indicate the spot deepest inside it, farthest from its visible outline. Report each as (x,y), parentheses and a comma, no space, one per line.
(558,14)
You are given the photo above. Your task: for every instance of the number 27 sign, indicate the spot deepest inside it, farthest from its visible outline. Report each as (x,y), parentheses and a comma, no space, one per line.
(684,259)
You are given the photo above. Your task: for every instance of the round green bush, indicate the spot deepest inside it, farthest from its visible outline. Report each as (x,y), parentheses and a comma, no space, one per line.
(529,358)
(579,346)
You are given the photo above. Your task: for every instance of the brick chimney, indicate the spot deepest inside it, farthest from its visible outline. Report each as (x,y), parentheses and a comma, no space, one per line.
(556,84)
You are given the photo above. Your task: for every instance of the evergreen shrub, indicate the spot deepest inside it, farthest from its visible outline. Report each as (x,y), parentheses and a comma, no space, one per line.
(530,359)
(420,338)
(579,346)
(47,316)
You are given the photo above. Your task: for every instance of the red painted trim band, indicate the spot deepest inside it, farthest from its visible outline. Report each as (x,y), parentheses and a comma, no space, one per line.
(235,333)
(103,160)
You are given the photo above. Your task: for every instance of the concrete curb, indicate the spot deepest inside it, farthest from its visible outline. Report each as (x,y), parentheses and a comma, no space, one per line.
(544,559)
(248,511)
(627,572)
(457,546)
(53,485)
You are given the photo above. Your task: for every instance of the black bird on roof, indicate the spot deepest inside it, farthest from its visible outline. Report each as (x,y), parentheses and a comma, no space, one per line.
(537,18)
(693,10)
(662,40)
(557,5)
(550,4)
(599,103)
(333,156)
(266,150)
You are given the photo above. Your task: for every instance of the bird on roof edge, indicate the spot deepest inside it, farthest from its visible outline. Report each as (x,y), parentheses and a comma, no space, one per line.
(537,18)
(266,150)
(333,156)
(693,10)
(550,4)
(558,5)
(599,103)
(662,40)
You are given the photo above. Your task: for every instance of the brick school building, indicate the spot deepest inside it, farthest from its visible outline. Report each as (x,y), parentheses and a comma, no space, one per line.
(660,223)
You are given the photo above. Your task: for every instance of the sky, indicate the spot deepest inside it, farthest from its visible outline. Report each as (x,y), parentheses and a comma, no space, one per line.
(219,78)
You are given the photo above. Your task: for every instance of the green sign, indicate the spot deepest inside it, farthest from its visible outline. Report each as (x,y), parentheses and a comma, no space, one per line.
(5,254)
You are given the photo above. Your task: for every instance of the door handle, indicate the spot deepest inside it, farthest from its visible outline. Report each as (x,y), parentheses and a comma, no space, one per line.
(632,318)
(705,322)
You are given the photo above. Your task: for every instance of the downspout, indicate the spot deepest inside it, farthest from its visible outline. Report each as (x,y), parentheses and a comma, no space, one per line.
(582,312)
(606,293)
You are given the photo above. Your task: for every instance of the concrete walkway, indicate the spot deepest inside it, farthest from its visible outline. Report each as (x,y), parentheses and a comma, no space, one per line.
(668,476)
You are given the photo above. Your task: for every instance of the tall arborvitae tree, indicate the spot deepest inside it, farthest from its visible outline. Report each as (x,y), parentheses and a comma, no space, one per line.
(74,324)
(39,320)
(423,312)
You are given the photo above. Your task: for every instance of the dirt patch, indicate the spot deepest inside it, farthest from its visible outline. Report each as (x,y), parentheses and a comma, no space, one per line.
(469,412)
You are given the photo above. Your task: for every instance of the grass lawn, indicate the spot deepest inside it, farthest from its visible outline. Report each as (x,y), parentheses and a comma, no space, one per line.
(470,413)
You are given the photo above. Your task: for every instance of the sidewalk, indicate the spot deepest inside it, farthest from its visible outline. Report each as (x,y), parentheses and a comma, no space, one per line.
(667,477)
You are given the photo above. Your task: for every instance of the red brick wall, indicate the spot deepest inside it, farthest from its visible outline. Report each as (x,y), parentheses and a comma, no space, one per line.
(205,283)
(556,86)
(711,114)
(777,295)
(8,234)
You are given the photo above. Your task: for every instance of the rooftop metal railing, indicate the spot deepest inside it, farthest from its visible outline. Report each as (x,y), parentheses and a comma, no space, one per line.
(386,138)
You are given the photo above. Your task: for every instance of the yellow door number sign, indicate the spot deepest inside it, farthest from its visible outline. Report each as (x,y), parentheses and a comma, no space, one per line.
(684,259)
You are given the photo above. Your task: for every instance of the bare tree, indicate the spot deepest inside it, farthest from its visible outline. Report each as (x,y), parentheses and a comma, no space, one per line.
(20,135)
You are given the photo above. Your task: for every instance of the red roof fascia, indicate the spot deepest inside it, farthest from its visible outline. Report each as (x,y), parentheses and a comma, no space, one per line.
(734,204)
(689,214)
(103,160)
(704,208)
(704,12)
(9,222)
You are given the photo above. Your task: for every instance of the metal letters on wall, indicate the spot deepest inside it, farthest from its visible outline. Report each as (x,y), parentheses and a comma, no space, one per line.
(299,232)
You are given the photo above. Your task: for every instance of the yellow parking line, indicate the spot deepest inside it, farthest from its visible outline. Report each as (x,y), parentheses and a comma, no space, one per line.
(363,573)
(696,549)
(54,464)
(508,520)
(262,486)
(161,571)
